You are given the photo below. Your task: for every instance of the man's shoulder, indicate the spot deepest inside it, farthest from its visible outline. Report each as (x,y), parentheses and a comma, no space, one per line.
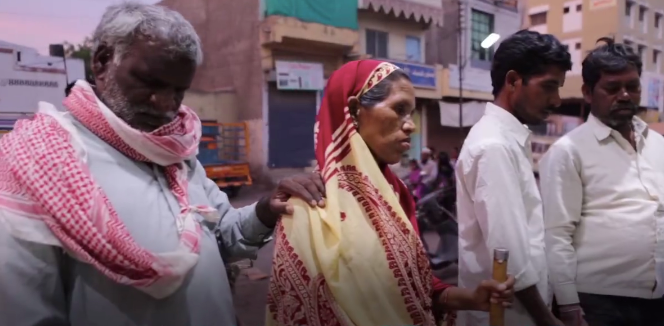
(572,146)
(577,137)
(486,133)
(494,149)
(479,145)
(655,136)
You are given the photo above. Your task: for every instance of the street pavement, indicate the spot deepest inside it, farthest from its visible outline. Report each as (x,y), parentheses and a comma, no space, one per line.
(250,295)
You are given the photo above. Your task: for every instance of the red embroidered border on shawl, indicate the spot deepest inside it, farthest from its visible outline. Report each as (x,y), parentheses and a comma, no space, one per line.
(294,297)
(408,263)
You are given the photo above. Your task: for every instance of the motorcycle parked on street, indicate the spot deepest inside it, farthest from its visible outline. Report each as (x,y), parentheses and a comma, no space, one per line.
(436,212)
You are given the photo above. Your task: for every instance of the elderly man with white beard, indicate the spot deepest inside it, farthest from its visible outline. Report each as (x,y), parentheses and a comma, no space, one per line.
(106,217)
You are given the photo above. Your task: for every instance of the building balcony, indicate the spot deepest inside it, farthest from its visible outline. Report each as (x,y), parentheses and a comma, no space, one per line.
(426,11)
(289,31)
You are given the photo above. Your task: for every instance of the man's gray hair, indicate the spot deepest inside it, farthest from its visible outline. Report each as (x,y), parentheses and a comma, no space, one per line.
(122,23)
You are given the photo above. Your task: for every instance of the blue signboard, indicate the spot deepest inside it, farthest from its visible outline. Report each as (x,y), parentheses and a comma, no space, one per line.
(421,75)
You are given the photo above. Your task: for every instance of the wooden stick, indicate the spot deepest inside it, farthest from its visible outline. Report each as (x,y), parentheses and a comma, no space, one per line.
(497,311)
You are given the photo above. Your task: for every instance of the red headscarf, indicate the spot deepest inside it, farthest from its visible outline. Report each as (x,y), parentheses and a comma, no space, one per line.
(348,81)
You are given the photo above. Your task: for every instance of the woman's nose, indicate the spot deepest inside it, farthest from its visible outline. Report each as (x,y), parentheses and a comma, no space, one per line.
(409,126)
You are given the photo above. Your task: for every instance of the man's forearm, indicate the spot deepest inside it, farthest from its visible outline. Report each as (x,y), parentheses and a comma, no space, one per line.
(455,298)
(531,299)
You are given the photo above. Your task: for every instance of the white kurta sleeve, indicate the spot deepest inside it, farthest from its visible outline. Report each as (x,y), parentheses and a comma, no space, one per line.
(562,197)
(500,210)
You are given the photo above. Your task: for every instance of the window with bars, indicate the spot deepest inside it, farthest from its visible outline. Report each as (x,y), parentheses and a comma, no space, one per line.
(482,24)
(376,43)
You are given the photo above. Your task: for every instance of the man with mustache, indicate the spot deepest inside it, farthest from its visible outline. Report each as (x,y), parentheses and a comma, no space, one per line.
(498,202)
(603,193)
(106,216)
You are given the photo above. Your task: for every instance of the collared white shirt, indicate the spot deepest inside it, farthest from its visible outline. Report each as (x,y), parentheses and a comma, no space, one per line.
(499,206)
(602,203)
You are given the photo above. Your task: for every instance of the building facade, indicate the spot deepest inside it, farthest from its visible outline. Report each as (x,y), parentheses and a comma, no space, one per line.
(266,62)
(456,46)
(395,30)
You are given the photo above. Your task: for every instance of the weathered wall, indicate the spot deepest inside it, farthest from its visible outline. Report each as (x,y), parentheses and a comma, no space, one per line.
(229,31)
(219,106)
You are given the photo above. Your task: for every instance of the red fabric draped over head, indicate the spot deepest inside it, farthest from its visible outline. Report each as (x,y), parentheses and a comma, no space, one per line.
(347,81)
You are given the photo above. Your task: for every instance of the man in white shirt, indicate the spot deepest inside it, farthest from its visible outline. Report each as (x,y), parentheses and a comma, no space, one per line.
(603,190)
(499,205)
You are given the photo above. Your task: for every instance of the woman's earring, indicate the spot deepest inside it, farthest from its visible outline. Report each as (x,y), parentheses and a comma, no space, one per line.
(355,123)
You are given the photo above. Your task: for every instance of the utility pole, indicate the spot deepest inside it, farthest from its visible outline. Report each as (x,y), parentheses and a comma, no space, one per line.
(461,59)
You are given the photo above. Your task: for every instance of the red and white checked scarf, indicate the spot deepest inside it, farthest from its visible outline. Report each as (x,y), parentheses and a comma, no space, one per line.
(47,194)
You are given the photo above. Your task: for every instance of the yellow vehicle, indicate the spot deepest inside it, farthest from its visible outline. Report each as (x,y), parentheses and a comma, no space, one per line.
(223,153)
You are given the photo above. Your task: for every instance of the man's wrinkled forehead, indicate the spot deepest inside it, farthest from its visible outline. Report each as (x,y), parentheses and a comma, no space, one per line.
(152,58)
(630,74)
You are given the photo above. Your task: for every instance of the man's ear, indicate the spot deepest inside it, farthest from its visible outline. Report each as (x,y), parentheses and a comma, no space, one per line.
(354,106)
(512,80)
(101,61)
(587,93)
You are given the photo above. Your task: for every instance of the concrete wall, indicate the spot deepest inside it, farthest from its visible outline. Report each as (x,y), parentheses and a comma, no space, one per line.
(228,85)
(439,137)
(229,31)
(220,106)
(397,28)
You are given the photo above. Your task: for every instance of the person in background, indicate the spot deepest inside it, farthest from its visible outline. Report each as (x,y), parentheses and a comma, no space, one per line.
(445,170)
(498,203)
(434,157)
(360,261)
(415,179)
(429,170)
(402,168)
(603,193)
(446,182)
(106,216)
(455,156)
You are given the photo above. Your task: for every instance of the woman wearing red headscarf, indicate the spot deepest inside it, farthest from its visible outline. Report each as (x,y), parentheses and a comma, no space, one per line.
(359,261)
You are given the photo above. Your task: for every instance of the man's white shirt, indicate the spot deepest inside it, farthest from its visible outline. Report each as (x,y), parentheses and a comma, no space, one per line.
(499,206)
(603,211)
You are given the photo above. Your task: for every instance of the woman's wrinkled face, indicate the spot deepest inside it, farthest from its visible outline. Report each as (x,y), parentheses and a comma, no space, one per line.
(386,127)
